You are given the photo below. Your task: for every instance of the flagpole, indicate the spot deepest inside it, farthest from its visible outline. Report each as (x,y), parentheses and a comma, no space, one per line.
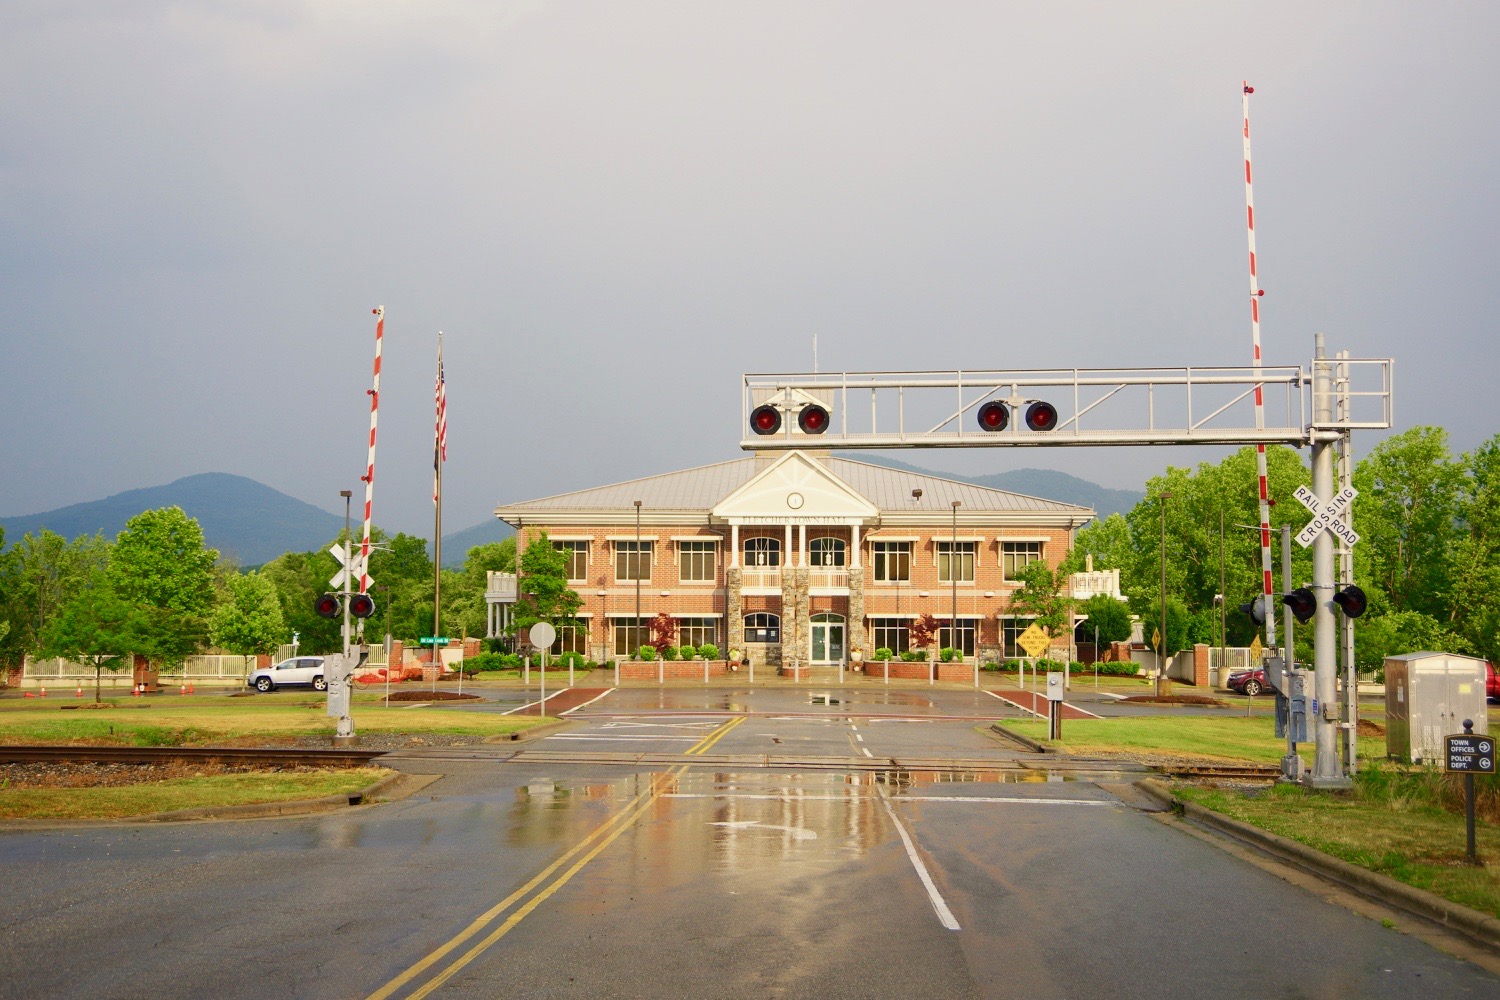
(439,448)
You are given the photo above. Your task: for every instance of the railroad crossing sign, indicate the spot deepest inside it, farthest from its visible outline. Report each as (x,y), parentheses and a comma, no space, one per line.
(1034,640)
(356,566)
(1326,516)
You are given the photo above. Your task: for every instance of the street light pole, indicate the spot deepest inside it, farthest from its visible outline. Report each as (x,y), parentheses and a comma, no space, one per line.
(1161,650)
(636,632)
(953,576)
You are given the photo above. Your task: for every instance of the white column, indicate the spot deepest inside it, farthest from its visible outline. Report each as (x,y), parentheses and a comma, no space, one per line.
(801,545)
(854,539)
(734,546)
(787,546)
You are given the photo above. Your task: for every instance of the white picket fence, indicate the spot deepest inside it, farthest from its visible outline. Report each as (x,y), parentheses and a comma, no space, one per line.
(218,670)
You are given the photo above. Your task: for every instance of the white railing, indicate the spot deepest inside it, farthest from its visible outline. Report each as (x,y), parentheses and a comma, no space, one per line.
(828,579)
(1100,581)
(500,588)
(193,668)
(761,579)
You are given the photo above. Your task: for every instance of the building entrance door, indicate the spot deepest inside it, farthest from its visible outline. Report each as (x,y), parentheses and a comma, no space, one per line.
(827,639)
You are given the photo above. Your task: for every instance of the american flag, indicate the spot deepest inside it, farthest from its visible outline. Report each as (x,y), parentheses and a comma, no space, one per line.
(440,443)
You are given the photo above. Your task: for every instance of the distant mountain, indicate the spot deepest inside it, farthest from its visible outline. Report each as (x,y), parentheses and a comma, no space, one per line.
(243,519)
(1047,484)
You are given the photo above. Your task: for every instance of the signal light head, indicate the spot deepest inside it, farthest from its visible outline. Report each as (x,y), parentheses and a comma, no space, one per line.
(1256,609)
(1302,602)
(994,416)
(1041,416)
(361,605)
(1352,601)
(813,419)
(326,606)
(765,419)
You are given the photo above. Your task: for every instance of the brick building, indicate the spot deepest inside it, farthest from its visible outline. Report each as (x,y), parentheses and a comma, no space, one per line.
(795,556)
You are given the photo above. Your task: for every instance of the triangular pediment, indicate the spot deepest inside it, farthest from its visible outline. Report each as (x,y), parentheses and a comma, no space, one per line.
(796,488)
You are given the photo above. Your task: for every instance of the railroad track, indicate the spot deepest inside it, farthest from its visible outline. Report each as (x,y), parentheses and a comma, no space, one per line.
(255,756)
(1267,772)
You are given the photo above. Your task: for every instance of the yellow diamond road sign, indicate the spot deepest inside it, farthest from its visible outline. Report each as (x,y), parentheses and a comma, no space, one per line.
(1034,640)
(1255,650)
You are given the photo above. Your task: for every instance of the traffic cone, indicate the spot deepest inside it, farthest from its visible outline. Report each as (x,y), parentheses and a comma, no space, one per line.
(135,692)
(44,693)
(182,690)
(190,687)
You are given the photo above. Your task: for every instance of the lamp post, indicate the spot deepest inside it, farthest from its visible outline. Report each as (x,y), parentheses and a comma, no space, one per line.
(953,575)
(636,632)
(1161,651)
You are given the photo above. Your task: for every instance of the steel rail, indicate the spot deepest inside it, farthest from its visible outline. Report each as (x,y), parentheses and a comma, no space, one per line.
(260,756)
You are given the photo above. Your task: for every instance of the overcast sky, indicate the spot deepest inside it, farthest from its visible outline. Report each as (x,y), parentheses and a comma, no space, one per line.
(615,209)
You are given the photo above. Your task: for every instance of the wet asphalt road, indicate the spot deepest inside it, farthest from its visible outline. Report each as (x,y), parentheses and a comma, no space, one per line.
(536,874)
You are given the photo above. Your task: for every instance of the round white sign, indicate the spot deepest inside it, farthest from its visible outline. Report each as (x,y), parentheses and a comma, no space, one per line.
(542,635)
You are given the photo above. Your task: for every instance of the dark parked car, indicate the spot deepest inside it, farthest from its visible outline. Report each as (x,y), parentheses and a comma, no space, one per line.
(1251,682)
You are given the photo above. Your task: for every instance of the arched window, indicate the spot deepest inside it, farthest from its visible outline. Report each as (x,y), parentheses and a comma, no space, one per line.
(762,552)
(826,551)
(762,627)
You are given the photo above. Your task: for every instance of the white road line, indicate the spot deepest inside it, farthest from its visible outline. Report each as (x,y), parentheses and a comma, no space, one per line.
(945,915)
(859,737)
(866,751)
(1004,799)
(616,739)
(588,703)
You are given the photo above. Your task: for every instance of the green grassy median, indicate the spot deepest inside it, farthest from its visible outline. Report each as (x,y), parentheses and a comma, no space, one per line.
(187,792)
(1211,738)
(208,719)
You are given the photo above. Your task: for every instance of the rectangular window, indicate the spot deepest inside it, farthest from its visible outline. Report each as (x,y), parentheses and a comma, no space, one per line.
(633,560)
(697,631)
(1010,631)
(578,559)
(965,637)
(571,639)
(1015,556)
(890,633)
(630,635)
(893,563)
(695,563)
(955,561)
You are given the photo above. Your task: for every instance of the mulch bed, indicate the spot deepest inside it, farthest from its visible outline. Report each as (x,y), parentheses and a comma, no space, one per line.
(1175,699)
(70,774)
(431,696)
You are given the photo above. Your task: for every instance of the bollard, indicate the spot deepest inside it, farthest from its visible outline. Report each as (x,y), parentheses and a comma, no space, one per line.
(79,692)
(44,692)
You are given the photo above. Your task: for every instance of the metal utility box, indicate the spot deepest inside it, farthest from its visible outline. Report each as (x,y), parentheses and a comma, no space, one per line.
(1427,698)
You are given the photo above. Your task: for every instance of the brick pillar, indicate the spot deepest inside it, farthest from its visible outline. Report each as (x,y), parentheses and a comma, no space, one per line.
(1200,664)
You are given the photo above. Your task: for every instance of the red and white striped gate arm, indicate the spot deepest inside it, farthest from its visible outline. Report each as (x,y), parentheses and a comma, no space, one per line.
(1260,412)
(369,476)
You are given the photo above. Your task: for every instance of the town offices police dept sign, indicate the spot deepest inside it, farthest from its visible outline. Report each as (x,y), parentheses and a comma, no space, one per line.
(1471,752)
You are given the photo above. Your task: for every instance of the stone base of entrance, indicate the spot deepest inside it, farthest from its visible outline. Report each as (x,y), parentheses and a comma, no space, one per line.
(800,672)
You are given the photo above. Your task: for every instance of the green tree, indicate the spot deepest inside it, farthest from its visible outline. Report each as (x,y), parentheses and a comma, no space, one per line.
(160,565)
(298,578)
(544,584)
(98,628)
(1109,616)
(463,597)
(1041,597)
(248,621)
(1474,589)
(38,576)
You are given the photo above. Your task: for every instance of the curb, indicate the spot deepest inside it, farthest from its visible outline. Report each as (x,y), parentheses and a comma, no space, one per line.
(1482,927)
(527,735)
(1025,741)
(296,807)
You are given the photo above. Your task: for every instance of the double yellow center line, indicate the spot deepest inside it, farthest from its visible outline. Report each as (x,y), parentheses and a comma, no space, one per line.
(589,848)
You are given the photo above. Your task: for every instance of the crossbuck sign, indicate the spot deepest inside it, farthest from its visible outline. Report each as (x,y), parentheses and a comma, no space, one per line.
(1326,516)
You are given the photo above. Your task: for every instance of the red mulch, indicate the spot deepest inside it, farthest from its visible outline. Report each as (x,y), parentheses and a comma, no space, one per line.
(431,696)
(1175,699)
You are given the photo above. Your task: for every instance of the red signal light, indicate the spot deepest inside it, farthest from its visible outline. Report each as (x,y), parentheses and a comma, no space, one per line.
(326,606)
(765,419)
(361,605)
(1041,416)
(813,419)
(1302,602)
(1352,600)
(994,416)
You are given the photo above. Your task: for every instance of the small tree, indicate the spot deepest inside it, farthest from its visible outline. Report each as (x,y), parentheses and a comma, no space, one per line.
(663,633)
(248,621)
(1110,617)
(922,631)
(99,628)
(544,580)
(160,565)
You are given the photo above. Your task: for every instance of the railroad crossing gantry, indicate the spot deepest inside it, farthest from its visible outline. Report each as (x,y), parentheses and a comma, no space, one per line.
(1317,406)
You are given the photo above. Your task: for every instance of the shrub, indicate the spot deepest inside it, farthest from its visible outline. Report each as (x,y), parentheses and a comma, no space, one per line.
(914,655)
(646,653)
(687,652)
(493,661)
(948,654)
(571,659)
(884,653)
(708,651)
(669,652)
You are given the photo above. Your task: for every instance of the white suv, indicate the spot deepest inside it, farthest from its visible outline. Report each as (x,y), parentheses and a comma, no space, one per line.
(300,671)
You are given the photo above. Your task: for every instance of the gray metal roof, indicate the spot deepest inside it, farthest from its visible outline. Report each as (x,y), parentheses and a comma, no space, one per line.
(702,488)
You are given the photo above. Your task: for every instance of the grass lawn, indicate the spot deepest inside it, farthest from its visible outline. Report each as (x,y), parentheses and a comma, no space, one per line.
(163,721)
(1224,738)
(1396,831)
(119,802)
